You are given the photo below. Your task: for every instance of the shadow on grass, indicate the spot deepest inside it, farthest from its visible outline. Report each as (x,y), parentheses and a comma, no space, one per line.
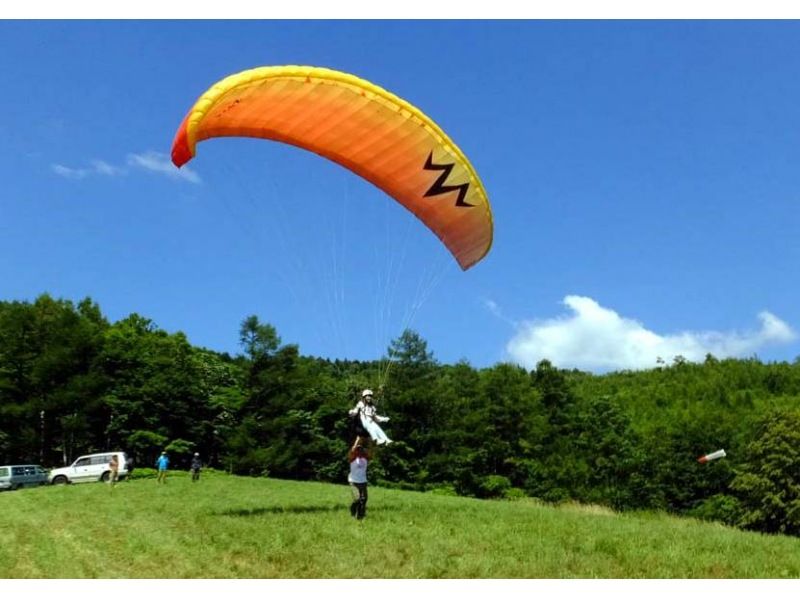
(294,510)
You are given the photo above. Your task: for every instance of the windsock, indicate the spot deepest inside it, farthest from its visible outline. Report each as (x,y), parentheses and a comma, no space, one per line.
(712,456)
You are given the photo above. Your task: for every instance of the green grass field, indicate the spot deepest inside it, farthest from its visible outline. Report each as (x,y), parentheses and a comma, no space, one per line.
(236,527)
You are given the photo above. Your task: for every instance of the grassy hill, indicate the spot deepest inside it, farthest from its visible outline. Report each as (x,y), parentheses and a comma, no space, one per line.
(232,527)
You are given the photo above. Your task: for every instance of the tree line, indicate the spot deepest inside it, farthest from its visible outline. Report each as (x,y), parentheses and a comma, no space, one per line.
(72,382)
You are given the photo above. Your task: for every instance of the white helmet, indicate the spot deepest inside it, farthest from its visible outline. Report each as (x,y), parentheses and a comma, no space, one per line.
(366,392)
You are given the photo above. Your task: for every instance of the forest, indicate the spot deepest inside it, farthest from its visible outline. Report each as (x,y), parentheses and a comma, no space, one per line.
(72,382)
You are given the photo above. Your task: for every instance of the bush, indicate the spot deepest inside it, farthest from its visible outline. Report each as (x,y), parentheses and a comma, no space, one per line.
(443,490)
(720,507)
(514,494)
(142,473)
(494,486)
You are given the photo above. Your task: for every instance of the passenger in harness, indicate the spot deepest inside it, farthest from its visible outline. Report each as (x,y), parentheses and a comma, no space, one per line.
(367,419)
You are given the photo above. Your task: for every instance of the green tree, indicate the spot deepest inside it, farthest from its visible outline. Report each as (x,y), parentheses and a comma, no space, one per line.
(47,350)
(146,446)
(156,383)
(605,447)
(768,481)
(258,340)
(409,398)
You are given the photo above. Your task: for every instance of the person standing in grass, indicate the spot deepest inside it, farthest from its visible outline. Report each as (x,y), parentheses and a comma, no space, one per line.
(162,464)
(196,465)
(359,459)
(113,468)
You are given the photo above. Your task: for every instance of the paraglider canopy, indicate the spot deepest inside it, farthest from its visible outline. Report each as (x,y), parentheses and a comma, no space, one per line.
(361,126)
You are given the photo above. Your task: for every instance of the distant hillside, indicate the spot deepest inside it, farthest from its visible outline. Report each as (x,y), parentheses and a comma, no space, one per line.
(239,527)
(72,382)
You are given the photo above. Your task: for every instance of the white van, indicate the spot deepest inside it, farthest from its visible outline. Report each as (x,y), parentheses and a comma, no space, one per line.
(89,468)
(18,476)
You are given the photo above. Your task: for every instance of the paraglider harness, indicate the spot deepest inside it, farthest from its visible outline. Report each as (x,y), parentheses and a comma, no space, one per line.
(366,410)
(356,427)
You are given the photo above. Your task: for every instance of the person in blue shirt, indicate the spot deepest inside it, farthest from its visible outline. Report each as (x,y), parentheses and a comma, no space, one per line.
(162,463)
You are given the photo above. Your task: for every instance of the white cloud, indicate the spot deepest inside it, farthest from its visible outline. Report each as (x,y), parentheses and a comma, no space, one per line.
(69,173)
(97,167)
(596,338)
(151,161)
(494,308)
(101,167)
(161,164)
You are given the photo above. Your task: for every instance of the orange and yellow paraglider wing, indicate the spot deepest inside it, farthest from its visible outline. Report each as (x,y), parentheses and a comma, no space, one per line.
(361,126)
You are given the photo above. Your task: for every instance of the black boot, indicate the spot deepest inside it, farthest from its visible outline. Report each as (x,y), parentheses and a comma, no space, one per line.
(362,509)
(354,508)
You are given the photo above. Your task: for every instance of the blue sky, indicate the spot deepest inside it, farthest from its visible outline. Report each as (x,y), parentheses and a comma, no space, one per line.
(643,177)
